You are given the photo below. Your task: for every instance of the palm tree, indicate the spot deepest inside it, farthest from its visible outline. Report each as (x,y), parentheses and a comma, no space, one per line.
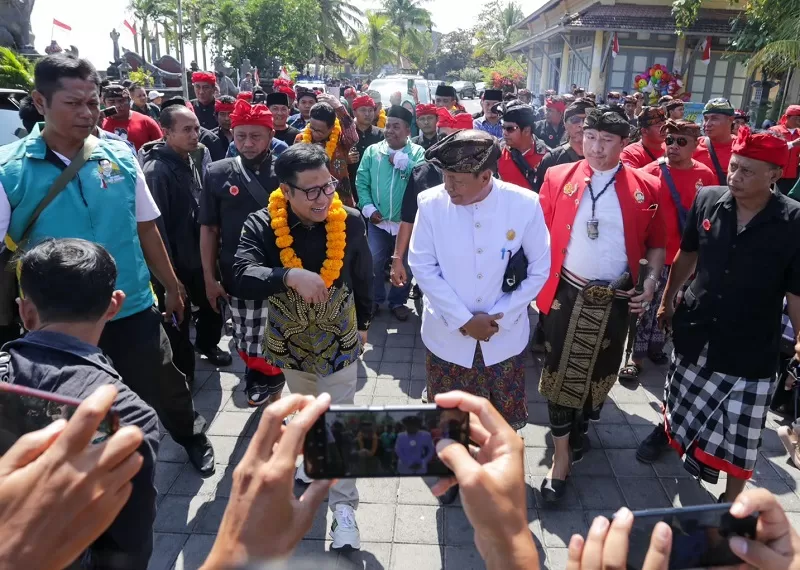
(14,73)
(144,11)
(406,16)
(338,21)
(374,44)
(500,33)
(228,19)
(783,51)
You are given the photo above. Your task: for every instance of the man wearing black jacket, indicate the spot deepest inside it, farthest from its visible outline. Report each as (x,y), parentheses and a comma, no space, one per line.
(572,150)
(175,183)
(60,355)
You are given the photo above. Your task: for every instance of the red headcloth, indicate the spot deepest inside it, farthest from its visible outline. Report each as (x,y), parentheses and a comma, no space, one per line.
(463,121)
(557,105)
(363,101)
(221,107)
(349,92)
(204,77)
(791,111)
(245,95)
(426,110)
(288,91)
(246,114)
(761,146)
(448,121)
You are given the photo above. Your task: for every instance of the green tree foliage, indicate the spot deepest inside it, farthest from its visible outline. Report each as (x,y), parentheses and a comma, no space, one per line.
(496,29)
(15,71)
(277,28)
(375,43)
(142,77)
(454,53)
(338,20)
(408,18)
(470,74)
(230,22)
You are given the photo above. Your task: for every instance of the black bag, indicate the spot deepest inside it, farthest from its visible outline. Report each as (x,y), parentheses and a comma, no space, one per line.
(253,186)
(516,271)
(526,170)
(8,274)
(723,180)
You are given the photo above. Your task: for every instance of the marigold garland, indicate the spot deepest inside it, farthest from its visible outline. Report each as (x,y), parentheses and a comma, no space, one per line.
(333,139)
(382,119)
(335,236)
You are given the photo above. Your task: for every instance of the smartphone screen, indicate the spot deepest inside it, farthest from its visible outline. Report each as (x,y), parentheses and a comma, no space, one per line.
(399,441)
(699,535)
(410,86)
(23,410)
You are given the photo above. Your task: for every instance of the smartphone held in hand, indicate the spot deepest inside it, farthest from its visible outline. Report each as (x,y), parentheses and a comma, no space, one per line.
(699,535)
(382,441)
(23,410)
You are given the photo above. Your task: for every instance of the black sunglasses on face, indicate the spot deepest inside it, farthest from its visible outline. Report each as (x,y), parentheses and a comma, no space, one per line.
(314,192)
(680,141)
(510,128)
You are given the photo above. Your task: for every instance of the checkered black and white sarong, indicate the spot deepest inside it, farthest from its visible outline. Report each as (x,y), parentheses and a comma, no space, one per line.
(249,324)
(715,419)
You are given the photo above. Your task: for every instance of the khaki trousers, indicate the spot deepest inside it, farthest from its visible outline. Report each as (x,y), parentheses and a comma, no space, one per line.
(341,386)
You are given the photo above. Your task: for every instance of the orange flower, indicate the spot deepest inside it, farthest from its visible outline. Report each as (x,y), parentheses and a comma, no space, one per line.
(333,139)
(334,227)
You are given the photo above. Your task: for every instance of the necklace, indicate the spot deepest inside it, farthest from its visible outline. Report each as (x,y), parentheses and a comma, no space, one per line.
(381,119)
(593,225)
(333,138)
(335,233)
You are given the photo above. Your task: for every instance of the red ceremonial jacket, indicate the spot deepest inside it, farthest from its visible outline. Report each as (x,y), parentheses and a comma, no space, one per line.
(562,192)
(794,153)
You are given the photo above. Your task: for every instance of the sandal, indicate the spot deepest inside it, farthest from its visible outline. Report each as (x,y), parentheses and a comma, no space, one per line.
(658,358)
(630,372)
(790,442)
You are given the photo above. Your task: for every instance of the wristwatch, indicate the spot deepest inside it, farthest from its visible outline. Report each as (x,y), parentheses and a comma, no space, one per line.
(653,277)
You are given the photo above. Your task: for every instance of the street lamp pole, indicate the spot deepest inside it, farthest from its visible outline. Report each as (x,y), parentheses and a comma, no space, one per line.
(184,86)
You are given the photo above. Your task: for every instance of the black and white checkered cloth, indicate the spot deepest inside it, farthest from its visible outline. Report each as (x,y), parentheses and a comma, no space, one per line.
(722,415)
(787,332)
(249,324)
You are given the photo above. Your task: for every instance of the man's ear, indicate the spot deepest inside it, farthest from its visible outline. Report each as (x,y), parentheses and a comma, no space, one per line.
(115,305)
(28,314)
(39,101)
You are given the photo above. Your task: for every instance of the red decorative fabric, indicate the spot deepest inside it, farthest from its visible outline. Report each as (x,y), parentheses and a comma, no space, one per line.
(246,114)
(761,146)
(363,101)
(204,77)
(221,107)
(426,110)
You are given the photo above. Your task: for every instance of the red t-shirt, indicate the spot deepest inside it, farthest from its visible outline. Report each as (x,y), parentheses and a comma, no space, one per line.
(723,152)
(687,182)
(791,169)
(510,172)
(137,128)
(635,155)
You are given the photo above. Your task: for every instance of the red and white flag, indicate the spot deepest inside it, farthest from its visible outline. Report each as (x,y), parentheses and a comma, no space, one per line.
(62,25)
(131,28)
(284,74)
(256,78)
(707,50)
(615,45)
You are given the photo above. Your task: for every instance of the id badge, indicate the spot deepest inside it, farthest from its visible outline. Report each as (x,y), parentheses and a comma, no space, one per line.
(592,229)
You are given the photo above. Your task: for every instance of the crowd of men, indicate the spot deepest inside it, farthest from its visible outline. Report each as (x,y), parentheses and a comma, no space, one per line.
(286,211)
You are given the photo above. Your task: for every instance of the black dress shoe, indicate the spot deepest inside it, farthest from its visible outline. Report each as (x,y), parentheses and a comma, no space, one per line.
(450,496)
(653,446)
(201,454)
(217,356)
(553,490)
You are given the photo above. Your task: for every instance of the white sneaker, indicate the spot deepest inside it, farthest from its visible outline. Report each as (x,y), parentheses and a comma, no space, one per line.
(301,477)
(344,530)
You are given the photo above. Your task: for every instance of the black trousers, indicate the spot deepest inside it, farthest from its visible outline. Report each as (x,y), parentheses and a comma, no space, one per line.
(208,323)
(140,351)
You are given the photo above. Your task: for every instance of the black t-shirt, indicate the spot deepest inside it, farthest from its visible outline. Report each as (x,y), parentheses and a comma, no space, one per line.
(365,139)
(226,203)
(423,176)
(563,154)
(736,299)
(287,135)
(205,114)
(552,137)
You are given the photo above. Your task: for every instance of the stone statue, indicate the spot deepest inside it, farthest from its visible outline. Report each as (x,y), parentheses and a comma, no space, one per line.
(115,40)
(53,48)
(245,68)
(15,25)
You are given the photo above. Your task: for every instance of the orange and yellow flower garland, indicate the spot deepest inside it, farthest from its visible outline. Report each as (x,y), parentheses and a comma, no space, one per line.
(333,139)
(334,228)
(382,119)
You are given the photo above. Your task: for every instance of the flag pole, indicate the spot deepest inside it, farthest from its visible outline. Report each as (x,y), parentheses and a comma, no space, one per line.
(184,86)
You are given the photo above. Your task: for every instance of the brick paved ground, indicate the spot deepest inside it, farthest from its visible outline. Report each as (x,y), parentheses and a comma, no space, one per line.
(401,524)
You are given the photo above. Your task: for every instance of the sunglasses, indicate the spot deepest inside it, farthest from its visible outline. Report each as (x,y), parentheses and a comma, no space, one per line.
(680,141)
(510,128)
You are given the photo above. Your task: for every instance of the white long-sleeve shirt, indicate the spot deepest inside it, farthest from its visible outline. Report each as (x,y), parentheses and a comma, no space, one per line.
(459,255)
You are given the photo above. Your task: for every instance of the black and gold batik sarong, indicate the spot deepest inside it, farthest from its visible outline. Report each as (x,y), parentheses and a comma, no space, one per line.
(584,334)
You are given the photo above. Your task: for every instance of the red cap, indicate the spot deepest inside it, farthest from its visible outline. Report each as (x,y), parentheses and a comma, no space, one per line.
(204,77)
(557,105)
(791,111)
(363,101)
(349,92)
(245,95)
(246,114)
(761,146)
(221,107)
(426,110)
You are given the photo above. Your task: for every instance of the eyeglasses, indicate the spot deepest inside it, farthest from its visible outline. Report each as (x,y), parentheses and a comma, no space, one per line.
(575,119)
(680,141)
(510,128)
(314,192)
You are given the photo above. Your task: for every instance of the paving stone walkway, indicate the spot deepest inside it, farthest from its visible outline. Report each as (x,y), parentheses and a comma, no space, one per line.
(402,526)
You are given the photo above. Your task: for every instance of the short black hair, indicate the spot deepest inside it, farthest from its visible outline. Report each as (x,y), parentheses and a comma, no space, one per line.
(259,95)
(68,280)
(167,116)
(29,114)
(52,69)
(323,112)
(299,158)
(177,100)
(135,86)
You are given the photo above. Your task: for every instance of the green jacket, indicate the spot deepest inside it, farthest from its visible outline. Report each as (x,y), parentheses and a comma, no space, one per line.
(380,184)
(795,191)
